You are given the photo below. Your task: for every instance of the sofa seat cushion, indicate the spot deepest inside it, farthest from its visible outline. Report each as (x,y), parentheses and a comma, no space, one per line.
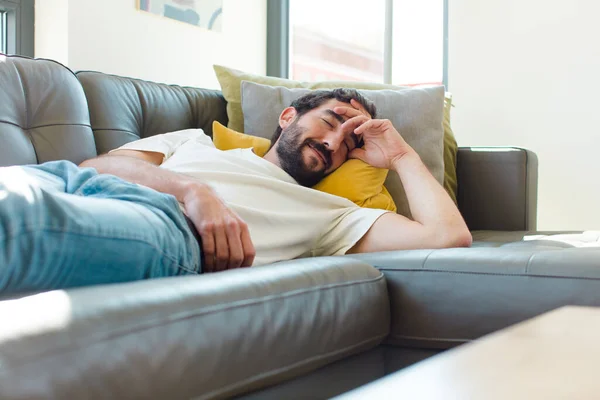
(533,239)
(214,335)
(442,298)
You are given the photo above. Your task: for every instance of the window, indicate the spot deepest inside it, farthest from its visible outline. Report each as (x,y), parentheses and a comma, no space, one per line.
(3,41)
(390,41)
(417,42)
(16,27)
(329,40)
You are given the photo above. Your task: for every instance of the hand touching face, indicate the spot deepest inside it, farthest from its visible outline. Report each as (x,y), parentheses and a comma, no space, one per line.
(383,145)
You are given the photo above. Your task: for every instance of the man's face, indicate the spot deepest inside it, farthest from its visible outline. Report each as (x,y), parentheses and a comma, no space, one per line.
(316,144)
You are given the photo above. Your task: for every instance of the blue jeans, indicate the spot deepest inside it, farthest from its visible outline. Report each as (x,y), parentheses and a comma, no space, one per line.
(63,226)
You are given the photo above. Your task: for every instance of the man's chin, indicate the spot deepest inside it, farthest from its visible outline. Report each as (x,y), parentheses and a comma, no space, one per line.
(309,180)
(300,168)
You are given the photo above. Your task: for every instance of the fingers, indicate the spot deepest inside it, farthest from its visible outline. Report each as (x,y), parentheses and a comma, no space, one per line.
(347,111)
(356,104)
(234,241)
(249,251)
(355,109)
(222,249)
(226,242)
(353,123)
(226,245)
(241,249)
(208,247)
(370,124)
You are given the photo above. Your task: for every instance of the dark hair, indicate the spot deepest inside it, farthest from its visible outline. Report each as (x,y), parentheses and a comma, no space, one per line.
(315,98)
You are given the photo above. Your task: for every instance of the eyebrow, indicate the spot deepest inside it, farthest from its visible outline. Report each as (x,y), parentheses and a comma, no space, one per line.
(335,115)
(357,141)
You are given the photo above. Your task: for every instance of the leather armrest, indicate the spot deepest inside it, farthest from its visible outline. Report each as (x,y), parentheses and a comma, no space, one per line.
(440,298)
(209,336)
(497,188)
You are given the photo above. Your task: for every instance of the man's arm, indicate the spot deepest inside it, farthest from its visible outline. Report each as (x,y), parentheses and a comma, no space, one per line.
(225,237)
(142,167)
(437,222)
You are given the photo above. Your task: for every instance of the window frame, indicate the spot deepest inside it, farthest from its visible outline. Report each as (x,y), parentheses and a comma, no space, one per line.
(278,38)
(278,35)
(3,39)
(20,19)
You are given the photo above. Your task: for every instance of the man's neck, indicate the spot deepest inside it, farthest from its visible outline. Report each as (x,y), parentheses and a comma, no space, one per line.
(272,157)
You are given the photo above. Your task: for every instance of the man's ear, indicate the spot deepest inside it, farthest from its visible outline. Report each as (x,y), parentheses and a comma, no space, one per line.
(287,117)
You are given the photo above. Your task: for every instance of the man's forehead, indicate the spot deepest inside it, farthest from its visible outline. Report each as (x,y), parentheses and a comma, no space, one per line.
(327,109)
(332,103)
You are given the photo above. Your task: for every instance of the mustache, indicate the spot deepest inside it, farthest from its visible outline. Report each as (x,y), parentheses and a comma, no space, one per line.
(320,147)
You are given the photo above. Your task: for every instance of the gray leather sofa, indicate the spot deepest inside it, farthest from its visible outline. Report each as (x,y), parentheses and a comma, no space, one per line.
(310,328)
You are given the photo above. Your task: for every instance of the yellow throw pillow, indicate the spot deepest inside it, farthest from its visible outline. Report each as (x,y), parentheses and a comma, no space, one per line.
(355,180)
(228,139)
(450,152)
(360,183)
(231,85)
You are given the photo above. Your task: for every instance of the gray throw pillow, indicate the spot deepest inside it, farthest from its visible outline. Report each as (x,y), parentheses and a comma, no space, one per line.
(416,113)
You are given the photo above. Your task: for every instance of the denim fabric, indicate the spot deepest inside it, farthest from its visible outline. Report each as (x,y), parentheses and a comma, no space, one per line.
(63,226)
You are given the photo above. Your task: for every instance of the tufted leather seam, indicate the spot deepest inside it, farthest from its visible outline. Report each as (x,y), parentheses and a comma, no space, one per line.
(116,130)
(143,109)
(199,314)
(529,262)
(429,339)
(193,106)
(43,126)
(425,259)
(27,116)
(486,273)
(66,124)
(27,112)
(11,123)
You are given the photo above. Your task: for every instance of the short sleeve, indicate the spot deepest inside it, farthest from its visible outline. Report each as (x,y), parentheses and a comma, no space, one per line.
(346,230)
(167,143)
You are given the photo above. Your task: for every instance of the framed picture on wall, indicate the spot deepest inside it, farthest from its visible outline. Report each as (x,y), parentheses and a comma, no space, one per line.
(203,13)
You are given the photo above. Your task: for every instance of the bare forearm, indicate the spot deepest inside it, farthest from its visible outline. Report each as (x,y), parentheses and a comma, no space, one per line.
(226,241)
(144,173)
(429,203)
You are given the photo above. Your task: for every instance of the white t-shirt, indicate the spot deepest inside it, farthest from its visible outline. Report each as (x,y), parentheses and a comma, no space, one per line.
(285,220)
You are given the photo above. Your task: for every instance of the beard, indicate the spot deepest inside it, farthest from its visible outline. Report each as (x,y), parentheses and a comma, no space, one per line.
(290,152)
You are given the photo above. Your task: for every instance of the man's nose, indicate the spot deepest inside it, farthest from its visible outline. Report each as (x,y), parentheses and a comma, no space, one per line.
(333,141)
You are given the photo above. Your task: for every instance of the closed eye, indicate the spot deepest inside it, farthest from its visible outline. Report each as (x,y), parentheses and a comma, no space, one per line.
(327,122)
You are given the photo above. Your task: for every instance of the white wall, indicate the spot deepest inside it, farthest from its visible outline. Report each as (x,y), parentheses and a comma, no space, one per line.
(526,73)
(52,30)
(112,36)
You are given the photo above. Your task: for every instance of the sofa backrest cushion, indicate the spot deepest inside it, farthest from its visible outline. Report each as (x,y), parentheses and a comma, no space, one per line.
(124,109)
(43,113)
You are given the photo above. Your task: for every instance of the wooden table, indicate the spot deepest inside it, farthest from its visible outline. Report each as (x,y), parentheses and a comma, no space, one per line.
(553,356)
